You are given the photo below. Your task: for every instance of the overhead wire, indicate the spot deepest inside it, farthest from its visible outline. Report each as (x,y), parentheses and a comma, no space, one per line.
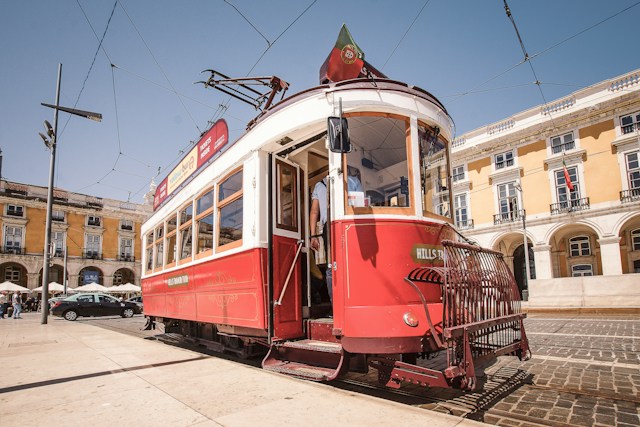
(405,33)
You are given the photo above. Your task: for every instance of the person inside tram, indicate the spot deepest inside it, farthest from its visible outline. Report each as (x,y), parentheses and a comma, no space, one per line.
(318,220)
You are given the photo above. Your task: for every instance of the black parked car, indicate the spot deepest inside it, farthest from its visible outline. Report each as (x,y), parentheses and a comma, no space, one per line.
(93,305)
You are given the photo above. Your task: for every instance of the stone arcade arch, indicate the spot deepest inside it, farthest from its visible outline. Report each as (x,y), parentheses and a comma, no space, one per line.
(56,274)
(630,244)
(122,276)
(575,250)
(90,274)
(511,245)
(14,272)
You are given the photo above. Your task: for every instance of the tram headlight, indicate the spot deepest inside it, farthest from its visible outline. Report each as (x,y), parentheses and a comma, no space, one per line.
(410,319)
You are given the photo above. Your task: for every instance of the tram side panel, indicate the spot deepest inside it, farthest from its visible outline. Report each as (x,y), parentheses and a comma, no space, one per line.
(372,297)
(229,290)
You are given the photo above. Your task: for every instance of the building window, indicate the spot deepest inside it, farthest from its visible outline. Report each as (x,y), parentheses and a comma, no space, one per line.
(94,221)
(288,195)
(117,278)
(93,246)
(204,223)
(126,249)
(126,224)
(57,216)
(581,270)
(12,274)
(442,205)
(230,210)
(57,239)
(460,207)
(630,122)
(185,234)
(458,174)
(633,171)
(579,246)
(562,143)
(635,240)
(562,191)
(503,160)
(12,240)
(508,201)
(15,210)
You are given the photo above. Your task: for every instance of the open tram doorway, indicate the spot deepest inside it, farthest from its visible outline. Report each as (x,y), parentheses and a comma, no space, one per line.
(519,268)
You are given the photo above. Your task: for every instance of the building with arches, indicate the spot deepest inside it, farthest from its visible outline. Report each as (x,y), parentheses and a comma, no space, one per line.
(100,237)
(571,170)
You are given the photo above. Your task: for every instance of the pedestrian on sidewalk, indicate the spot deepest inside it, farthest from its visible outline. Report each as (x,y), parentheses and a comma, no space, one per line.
(3,304)
(17,305)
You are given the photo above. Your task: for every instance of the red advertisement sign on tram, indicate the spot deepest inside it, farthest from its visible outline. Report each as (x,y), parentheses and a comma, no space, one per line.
(209,144)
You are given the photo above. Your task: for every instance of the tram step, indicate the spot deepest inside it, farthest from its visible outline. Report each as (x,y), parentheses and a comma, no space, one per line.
(300,370)
(309,359)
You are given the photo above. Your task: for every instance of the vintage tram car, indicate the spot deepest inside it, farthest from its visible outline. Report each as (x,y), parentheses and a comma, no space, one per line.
(227,259)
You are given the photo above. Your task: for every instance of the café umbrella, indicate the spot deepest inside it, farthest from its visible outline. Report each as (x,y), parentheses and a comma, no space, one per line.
(53,287)
(129,287)
(92,287)
(11,287)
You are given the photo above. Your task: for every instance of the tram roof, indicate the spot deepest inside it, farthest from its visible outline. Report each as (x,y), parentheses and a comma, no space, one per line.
(360,84)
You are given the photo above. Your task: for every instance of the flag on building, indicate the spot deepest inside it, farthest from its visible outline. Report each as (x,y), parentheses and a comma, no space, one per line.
(567,177)
(346,59)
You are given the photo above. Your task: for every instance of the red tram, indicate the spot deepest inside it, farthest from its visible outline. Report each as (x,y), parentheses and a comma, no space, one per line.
(227,259)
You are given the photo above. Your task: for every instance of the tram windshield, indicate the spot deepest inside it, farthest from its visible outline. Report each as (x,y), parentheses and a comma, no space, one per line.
(378,167)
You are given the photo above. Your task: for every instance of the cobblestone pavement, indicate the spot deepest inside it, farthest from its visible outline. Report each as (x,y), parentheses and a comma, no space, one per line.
(585,371)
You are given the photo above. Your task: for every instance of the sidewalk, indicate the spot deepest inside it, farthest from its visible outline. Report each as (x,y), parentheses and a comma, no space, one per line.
(75,374)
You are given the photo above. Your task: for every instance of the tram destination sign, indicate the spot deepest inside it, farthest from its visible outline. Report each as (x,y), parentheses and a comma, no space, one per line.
(200,155)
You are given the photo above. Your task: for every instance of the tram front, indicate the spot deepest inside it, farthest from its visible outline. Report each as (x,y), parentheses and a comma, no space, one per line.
(404,282)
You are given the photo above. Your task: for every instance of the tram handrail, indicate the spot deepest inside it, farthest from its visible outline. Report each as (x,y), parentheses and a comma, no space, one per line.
(434,333)
(286,282)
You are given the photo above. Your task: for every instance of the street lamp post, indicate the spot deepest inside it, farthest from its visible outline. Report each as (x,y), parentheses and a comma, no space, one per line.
(526,244)
(50,140)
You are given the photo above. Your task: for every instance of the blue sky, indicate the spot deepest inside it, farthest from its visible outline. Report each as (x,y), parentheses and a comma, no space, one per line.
(152,109)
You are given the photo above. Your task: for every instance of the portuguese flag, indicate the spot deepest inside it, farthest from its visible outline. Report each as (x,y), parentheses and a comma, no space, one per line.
(567,178)
(346,59)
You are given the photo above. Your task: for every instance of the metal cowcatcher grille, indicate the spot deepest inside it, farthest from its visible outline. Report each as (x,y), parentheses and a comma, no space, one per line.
(482,315)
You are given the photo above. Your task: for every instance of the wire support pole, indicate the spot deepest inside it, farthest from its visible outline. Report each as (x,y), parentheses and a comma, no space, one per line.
(47,232)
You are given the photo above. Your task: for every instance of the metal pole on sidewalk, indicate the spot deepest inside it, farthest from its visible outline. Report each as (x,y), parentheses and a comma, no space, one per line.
(47,232)
(526,245)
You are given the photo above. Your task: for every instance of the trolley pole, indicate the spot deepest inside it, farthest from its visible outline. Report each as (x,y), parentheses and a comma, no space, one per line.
(526,245)
(50,141)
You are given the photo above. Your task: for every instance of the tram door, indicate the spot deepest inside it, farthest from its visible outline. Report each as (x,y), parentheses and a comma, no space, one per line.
(287,250)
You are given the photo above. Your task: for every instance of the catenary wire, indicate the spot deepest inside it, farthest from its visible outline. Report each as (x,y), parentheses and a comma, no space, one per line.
(405,33)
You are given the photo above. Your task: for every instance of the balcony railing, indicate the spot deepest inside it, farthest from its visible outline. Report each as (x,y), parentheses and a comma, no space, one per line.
(627,196)
(570,206)
(465,225)
(15,212)
(126,227)
(94,223)
(504,163)
(12,250)
(91,254)
(630,128)
(506,217)
(126,258)
(570,145)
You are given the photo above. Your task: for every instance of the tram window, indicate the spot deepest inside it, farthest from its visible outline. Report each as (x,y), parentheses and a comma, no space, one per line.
(186,214)
(286,197)
(433,172)
(230,186)
(230,211)
(171,224)
(378,165)
(185,242)
(159,254)
(171,248)
(205,233)
(149,252)
(204,203)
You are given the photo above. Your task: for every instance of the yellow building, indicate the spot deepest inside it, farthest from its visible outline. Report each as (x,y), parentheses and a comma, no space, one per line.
(518,168)
(101,237)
